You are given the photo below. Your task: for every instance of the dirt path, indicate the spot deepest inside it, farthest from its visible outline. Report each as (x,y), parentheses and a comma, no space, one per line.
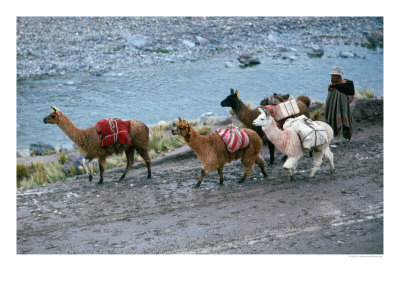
(340,214)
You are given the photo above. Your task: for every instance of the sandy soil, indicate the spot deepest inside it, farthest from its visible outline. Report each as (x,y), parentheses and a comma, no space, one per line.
(340,213)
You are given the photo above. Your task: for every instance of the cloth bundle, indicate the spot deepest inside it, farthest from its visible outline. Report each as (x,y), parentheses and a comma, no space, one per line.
(234,137)
(311,134)
(113,131)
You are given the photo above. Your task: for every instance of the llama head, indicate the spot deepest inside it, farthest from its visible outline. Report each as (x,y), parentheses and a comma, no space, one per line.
(274,99)
(264,119)
(54,117)
(181,128)
(231,100)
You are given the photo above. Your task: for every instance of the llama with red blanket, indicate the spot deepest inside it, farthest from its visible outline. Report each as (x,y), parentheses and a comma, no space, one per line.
(128,135)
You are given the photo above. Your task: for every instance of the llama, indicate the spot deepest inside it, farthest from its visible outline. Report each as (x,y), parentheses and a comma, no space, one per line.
(247,116)
(213,153)
(90,142)
(288,142)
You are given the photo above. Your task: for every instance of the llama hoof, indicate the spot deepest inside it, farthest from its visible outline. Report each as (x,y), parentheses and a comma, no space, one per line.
(122,177)
(332,172)
(90,177)
(292,178)
(100,181)
(197,186)
(149,176)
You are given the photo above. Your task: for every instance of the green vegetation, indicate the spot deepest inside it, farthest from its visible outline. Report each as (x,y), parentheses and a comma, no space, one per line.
(39,174)
(364,92)
(329,37)
(164,51)
(159,142)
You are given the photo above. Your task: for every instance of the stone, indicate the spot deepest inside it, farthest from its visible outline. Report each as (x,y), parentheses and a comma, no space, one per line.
(41,148)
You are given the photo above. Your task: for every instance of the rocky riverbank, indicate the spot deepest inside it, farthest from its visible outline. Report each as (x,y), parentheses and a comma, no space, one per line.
(60,45)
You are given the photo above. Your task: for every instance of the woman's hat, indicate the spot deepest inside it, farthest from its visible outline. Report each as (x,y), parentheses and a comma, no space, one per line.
(336,71)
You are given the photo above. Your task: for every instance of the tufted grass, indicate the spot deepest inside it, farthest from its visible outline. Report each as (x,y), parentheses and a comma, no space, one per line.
(364,92)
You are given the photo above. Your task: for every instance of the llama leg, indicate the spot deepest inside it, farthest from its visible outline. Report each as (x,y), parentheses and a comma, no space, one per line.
(271,148)
(85,163)
(102,167)
(144,153)
(290,166)
(248,169)
(329,155)
(221,176)
(129,153)
(318,154)
(202,174)
(261,163)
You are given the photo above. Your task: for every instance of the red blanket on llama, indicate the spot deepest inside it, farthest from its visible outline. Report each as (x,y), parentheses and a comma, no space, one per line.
(114,131)
(234,137)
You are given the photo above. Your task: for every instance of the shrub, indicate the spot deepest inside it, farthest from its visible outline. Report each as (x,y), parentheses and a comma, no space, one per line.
(364,92)
(160,142)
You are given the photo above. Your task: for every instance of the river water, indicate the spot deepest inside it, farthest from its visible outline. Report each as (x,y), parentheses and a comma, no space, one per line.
(185,89)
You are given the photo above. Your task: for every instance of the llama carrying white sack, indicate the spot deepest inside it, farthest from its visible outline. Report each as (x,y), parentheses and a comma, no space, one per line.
(311,134)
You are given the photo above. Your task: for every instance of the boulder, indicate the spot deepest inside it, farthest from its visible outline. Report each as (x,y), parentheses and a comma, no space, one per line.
(367,110)
(315,51)
(41,148)
(246,59)
(75,160)
(375,37)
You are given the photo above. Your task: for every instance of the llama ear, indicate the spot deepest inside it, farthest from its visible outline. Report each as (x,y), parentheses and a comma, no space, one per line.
(260,110)
(232,92)
(179,120)
(55,108)
(237,93)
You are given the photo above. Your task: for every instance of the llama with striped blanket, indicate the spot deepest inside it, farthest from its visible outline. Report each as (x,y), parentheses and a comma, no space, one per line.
(214,154)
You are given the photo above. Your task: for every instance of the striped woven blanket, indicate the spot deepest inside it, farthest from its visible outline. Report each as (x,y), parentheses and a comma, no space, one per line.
(113,131)
(272,113)
(234,137)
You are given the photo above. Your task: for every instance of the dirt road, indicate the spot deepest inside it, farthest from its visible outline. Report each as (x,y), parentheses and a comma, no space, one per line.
(340,213)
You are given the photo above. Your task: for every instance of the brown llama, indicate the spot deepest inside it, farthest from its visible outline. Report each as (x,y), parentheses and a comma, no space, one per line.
(247,116)
(212,151)
(90,142)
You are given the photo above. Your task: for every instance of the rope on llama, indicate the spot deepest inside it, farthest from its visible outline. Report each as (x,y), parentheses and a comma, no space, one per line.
(113,131)
(234,137)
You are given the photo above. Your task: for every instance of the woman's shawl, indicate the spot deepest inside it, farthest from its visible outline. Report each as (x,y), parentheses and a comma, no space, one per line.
(337,113)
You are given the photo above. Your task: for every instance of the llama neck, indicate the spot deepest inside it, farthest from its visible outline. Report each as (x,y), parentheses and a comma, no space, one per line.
(274,134)
(240,106)
(194,141)
(243,113)
(69,128)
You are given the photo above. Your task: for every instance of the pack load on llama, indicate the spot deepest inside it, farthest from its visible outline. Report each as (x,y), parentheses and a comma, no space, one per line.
(113,131)
(286,109)
(234,137)
(311,134)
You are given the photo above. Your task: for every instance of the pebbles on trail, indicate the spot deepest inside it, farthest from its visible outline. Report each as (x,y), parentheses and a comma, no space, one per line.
(60,45)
